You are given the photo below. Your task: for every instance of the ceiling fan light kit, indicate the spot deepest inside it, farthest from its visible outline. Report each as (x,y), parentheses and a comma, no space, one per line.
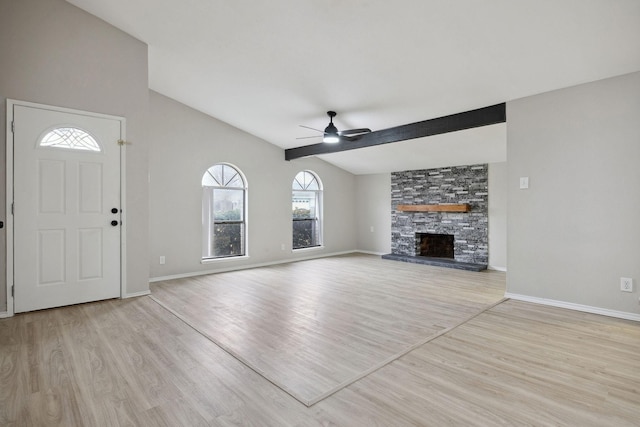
(331,131)
(331,139)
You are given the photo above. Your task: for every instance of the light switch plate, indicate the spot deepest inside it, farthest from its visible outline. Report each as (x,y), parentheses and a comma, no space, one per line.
(524,182)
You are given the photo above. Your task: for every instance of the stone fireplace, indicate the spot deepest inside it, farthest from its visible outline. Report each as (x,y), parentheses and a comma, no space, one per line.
(467,231)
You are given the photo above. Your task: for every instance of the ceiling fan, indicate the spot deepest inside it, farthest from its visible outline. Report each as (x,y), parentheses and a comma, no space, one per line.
(331,134)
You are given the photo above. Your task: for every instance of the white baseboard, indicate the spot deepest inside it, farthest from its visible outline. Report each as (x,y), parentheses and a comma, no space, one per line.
(577,307)
(4,314)
(497,268)
(245,267)
(137,294)
(371,252)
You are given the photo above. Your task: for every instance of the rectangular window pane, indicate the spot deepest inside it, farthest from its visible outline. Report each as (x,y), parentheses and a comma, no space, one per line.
(305,233)
(304,204)
(228,205)
(228,239)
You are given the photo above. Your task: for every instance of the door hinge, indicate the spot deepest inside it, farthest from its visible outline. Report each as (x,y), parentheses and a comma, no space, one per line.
(11,208)
(12,286)
(13,126)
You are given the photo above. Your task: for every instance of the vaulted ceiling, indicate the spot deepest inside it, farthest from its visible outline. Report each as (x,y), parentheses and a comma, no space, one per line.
(267,67)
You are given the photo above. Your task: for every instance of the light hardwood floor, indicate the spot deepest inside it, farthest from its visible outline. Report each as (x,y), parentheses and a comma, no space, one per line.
(313,327)
(130,362)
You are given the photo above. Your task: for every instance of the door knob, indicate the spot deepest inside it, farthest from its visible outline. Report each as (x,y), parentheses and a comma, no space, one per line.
(114,223)
(114,210)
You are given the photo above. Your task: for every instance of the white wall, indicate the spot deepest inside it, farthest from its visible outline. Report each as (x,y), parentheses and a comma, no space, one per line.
(54,53)
(576,230)
(498,216)
(185,144)
(373,209)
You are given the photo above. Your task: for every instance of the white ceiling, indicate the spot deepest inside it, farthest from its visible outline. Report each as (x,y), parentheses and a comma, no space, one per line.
(268,66)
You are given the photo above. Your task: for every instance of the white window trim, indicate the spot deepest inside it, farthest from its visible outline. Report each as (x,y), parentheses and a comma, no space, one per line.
(246,221)
(224,259)
(320,209)
(310,248)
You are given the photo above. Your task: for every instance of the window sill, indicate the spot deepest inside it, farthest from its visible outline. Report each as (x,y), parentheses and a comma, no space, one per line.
(221,259)
(310,248)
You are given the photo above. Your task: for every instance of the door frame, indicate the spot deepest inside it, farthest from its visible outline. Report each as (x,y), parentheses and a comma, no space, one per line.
(9,192)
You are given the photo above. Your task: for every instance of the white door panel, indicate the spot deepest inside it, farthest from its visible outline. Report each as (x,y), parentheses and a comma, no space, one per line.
(66,251)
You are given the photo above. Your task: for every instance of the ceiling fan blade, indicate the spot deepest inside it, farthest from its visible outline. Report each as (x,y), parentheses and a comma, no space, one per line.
(307,127)
(349,132)
(308,137)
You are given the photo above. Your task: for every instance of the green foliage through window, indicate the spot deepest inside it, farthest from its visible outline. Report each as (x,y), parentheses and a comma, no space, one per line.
(301,213)
(228,239)
(234,215)
(304,233)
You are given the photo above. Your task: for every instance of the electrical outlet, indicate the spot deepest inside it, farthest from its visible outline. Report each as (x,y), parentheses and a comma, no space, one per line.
(162,260)
(626,284)
(282,247)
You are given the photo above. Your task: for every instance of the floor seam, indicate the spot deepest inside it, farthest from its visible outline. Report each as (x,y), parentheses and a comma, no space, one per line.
(343,384)
(397,356)
(227,350)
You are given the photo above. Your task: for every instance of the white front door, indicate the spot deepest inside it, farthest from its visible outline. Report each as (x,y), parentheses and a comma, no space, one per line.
(66,177)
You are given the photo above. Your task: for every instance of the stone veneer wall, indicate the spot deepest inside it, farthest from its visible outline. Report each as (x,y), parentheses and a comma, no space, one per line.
(458,184)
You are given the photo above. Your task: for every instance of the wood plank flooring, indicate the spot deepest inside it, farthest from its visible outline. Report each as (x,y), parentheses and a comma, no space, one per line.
(313,327)
(131,363)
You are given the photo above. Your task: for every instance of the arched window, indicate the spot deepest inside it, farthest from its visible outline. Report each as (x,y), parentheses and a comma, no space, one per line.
(306,206)
(69,138)
(223,212)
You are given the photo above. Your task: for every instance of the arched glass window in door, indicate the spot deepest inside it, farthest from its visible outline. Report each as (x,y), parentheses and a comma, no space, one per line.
(69,138)
(306,206)
(224,192)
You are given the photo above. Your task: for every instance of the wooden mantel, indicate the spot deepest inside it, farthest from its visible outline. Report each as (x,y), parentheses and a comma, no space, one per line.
(463,207)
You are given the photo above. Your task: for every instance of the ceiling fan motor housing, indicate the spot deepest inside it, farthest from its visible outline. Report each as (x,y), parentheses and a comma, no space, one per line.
(331,131)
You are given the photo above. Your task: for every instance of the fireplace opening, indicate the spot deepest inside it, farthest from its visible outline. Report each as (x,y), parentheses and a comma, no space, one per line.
(435,245)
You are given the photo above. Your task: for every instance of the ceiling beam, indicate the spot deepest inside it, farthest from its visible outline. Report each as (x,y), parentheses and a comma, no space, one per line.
(455,122)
